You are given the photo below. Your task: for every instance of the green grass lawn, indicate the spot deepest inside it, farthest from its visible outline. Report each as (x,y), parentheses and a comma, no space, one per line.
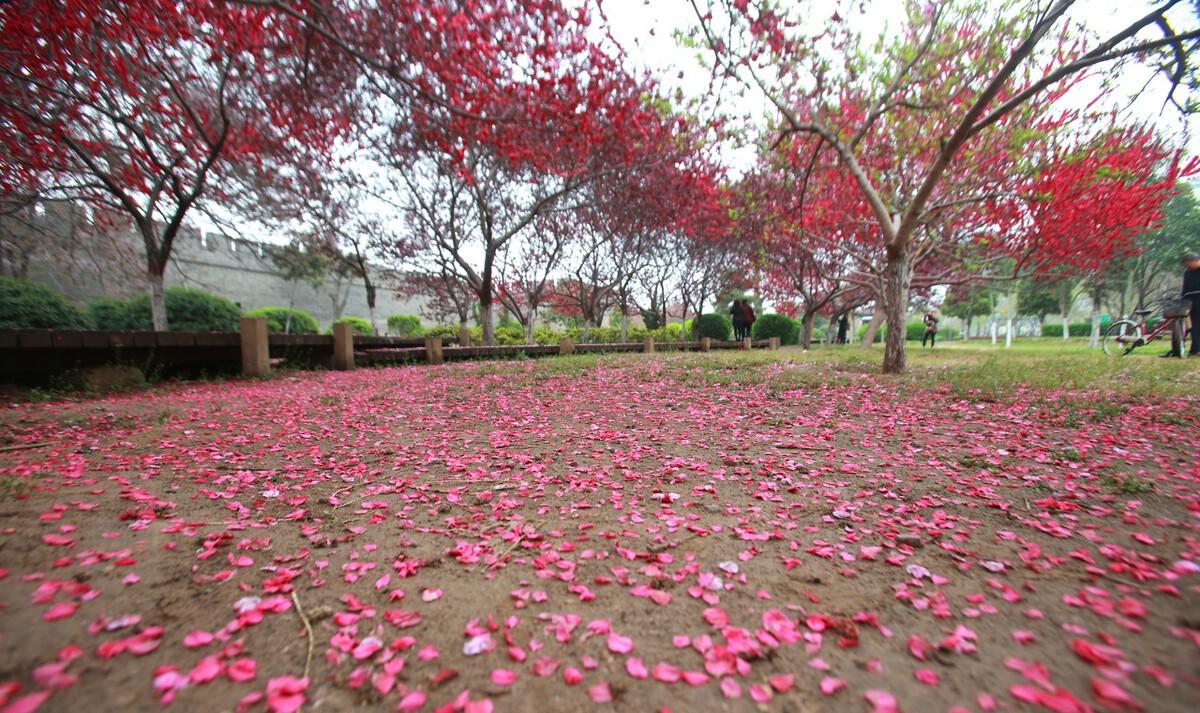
(973,368)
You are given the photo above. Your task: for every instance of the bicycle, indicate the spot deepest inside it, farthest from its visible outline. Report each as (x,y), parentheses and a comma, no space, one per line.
(1125,335)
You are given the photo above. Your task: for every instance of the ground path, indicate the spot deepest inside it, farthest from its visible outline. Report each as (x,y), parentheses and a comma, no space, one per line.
(692,532)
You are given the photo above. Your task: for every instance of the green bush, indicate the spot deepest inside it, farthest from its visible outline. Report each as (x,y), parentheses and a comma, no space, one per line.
(404,325)
(188,310)
(108,313)
(441,330)
(714,326)
(1078,329)
(287,319)
(358,325)
(26,304)
(777,325)
(819,334)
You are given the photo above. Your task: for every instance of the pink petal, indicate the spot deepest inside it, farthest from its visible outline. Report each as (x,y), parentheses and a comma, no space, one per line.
(61,610)
(196,639)
(571,675)
(600,693)
(831,685)
(636,668)
(412,701)
(619,644)
(242,670)
(503,677)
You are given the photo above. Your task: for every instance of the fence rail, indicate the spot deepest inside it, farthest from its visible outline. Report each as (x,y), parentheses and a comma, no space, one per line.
(38,353)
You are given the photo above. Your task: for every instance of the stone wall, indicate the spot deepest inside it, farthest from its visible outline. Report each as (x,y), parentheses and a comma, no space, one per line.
(240,270)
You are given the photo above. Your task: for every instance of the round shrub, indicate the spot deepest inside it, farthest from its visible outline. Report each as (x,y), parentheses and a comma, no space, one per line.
(287,320)
(777,325)
(26,304)
(404,325)
(714,326)
(188,310)
(358,325)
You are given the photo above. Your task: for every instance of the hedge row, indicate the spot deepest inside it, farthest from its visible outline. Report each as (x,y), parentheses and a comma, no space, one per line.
(1078,329)
(25,304)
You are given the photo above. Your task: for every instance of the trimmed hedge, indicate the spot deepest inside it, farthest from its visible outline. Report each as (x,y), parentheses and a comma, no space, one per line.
(358,325)
(777,325)
(404,325)
(108,313)
(26,304)
(301,322)
(188,310)
(1078,329)
(714,326)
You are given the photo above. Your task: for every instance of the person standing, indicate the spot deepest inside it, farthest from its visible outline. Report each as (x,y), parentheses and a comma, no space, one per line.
(1190,292)
(737,315)
(931,324)
(748,318)
(843,329)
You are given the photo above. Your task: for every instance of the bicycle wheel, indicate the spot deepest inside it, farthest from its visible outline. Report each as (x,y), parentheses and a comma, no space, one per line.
(1122,337)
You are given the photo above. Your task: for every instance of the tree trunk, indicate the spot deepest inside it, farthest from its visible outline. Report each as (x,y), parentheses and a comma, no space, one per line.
(371,304)
(967,332)
(897,279)
(464,333)
(485,322)
(1094,339)
(529,328)
(624,325)
(873,327)
(1008,327)
(806,330)
(1066,327)
(993,328)
(158,300)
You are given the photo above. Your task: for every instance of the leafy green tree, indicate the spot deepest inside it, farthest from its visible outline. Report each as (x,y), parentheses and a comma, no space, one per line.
(1038,297)
(1162,248)
(967,302)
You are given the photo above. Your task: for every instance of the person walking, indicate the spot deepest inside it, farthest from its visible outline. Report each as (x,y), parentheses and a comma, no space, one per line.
(737,315)
(1191,293)
(931,325)
(748,318)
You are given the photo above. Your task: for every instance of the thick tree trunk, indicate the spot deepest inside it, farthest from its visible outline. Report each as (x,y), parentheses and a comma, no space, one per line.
(1066,318)
(967,332)
(464,333)
(873,328)
(158,300)
(897,279)
(485,323)
(529,328)
(624,325)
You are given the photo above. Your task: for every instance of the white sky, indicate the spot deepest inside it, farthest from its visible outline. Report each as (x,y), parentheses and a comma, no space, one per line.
(645,28)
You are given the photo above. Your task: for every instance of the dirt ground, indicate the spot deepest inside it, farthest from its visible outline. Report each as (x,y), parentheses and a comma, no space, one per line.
(638,535)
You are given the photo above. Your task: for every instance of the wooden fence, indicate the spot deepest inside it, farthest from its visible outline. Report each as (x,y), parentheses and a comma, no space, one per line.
(38,353)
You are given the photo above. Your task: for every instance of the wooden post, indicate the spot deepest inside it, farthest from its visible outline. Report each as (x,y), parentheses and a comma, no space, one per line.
(706,344)
(746,343)
(256,353)
(433,350)
(649,345)
(566,346)
(343,346)
(773,343)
